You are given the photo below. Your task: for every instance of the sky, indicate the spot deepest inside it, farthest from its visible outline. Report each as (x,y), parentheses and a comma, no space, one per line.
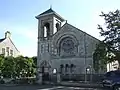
(18,17)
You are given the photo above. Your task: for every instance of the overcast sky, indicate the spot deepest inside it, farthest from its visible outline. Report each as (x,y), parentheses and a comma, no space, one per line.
(18,17)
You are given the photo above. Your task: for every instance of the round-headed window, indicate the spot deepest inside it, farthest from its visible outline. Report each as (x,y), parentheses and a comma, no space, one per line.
(67,47)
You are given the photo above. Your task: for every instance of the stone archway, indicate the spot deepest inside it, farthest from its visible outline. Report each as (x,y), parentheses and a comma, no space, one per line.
(45,69)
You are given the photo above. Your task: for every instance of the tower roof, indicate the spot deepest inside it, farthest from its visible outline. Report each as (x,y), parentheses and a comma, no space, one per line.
(48,12)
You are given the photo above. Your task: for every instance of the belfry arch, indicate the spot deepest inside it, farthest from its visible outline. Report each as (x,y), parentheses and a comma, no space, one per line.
(57,26)
(46,30)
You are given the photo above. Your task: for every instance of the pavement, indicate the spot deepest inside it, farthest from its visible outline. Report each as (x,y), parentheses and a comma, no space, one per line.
(81,84)
(25,87)
(69,88)
(46,87)
(60,86)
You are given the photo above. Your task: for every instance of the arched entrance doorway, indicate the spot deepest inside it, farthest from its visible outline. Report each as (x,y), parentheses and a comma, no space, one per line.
(45,69)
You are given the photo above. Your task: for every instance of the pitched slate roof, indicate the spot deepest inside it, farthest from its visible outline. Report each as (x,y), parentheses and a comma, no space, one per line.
(2,40)
(48,11)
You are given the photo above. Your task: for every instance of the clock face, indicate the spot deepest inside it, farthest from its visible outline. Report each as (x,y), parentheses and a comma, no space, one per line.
(68,45)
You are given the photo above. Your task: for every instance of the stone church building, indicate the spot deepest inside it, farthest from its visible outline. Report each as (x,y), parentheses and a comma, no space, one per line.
(62,48)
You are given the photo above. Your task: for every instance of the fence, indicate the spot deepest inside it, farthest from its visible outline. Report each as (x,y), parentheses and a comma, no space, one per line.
(82,77)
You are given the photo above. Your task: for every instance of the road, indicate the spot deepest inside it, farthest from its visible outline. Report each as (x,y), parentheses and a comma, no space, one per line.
(44,87)
(70,88)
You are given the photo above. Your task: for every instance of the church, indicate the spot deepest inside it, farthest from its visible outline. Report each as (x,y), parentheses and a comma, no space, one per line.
(62,48)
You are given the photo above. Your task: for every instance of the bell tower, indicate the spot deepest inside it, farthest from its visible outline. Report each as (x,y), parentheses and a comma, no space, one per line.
(49,22)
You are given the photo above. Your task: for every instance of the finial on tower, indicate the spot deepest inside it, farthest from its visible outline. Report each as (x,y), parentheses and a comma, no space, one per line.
(66,21)
(50,6)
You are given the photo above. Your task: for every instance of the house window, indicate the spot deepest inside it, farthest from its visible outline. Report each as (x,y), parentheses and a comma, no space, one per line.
(3,51)
(7,50)
(11,52)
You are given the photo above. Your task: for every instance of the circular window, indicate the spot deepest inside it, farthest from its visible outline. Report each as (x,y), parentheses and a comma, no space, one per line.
(67,47)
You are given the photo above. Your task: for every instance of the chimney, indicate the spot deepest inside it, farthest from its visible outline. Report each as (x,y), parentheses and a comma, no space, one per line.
(7,34)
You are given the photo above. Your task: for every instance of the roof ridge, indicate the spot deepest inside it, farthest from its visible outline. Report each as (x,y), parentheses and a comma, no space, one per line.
(2,39)
(84,32)
(48,11)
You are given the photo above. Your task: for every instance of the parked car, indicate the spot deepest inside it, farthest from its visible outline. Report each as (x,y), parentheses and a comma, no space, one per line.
(112,80)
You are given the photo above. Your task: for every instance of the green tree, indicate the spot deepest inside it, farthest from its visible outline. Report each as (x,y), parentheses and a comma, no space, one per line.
(21,66)
(30,67)
(1,63)
(34,61)
(99,57)
(111,34)
(24,66)
(8,67)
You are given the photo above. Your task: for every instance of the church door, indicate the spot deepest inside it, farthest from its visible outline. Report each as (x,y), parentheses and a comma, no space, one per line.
(45,74)
(45,67)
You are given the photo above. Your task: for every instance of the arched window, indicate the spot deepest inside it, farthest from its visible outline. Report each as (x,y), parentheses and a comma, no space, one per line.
(67,47)
(47,30)
(61,68)
(72,68)
(66,68)
(57,26)
(42,69)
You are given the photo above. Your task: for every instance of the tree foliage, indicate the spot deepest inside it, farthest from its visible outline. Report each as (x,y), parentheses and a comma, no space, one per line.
(35,61)
(17,67)
(112,30)
(111,33)
(109,49)
(1,61)
(8,67)
(99,57)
